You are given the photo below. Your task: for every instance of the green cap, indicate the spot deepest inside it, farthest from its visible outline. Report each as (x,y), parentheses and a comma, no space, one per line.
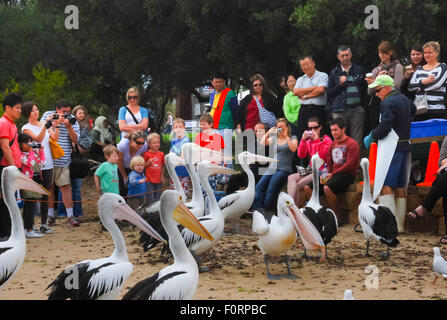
(382,80)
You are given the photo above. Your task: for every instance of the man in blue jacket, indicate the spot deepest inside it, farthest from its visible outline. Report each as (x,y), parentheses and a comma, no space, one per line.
(396,112)
(346,93)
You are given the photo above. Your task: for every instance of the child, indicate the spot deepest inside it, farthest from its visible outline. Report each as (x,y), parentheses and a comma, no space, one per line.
(106,176)
(154,164)
(32,161)
(207,138)
(176,147)
(136,183)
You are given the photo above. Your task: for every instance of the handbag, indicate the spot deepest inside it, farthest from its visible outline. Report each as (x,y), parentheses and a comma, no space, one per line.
(421,104)
(79,166)
(266,116)
(56,150)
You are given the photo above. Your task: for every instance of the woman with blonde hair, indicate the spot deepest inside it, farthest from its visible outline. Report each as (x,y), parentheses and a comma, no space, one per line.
(429,80)
(132,116)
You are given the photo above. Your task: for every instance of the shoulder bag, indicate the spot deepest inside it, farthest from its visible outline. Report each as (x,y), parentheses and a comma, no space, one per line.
(79,166)
(421,104)
(56,150)
(266,116)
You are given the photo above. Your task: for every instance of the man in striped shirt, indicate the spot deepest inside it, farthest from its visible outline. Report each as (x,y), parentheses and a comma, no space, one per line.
(67,130)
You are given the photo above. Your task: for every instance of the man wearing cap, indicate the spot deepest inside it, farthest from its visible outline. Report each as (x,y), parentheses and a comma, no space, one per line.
(396,112)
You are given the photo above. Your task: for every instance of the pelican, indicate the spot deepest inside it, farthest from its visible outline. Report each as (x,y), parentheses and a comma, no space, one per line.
(214,222)
(324,219)
(236,204)
(102,279)
(439,265)
(179,280)
(192,154)
(13,251)
(278,235)
(378,222)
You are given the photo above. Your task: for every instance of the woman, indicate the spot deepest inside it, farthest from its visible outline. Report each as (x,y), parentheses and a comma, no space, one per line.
(132,117)
(312,141)
(269,186)
(83,146)
(291,104)
(438,190)
(132,145)
(101,136)
(259,100)
(41,133)
(430,80)
(388,65)
(417,60)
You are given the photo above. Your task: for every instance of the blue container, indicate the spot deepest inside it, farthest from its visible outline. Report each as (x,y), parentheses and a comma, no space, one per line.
(428,128)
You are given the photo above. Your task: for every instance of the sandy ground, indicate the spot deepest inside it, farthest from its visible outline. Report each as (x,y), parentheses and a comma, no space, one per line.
(236,265)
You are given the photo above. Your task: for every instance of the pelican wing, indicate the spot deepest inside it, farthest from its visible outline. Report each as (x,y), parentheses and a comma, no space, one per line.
(385,226)
(227,201)
(153,219)
(260,225)
(440,266)
(147,289)
(59,290)
(7,265)
(103,279)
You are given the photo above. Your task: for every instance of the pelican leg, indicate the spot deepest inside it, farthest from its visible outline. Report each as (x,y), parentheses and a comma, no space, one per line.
(436,278)
(304,255)
(199,262)
(386,254)
(269,275)
(367,249)
(290,275)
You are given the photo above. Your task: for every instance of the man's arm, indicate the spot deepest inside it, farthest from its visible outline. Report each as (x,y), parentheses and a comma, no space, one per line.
(300,92)
(7,152)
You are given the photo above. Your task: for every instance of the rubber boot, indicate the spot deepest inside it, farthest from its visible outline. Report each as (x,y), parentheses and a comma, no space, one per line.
(389,201)
(401,213)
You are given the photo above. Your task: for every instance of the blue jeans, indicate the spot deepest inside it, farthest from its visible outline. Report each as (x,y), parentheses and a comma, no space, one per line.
(76,184)
(268,188)
(153,191)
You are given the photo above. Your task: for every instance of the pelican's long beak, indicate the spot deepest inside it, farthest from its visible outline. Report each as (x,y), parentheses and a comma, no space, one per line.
(187,219)
(216,169)
(263,159)
(124,212)
(25,183)
(197,153)
(309,234)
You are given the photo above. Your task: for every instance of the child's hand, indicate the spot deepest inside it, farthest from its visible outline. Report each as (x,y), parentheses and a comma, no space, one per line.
(142,180)
(149,162)
(99,191)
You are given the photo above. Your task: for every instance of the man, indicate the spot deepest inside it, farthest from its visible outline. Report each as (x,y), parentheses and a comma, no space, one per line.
(396,112)
(68,130)
(346,93)
(12,106)
(342,162)
(311,89)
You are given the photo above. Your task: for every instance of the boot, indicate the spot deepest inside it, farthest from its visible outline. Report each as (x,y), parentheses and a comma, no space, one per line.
(389,201)
(401,213)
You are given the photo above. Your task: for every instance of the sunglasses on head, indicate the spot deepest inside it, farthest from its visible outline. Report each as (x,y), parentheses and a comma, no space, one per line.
(132,97)
(139,142)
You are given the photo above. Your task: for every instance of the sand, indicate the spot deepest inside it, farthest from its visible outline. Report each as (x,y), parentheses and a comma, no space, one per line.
(236,265)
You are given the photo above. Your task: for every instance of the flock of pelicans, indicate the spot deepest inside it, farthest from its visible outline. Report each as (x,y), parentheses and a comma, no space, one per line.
(186,232)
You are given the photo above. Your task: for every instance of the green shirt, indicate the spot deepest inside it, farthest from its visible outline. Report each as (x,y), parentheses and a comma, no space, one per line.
(108,173)
(291,107)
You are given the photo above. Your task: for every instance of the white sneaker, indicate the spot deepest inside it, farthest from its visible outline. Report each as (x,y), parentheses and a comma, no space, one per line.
(33,234)
(45,229)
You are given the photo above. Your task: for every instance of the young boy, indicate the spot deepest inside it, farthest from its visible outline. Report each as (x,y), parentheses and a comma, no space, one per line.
(208,138)
(106,176)
(176,147)
(136,183)
(154,164)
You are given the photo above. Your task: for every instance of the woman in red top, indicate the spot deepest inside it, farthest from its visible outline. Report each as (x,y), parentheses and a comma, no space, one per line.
(248,113)
(312,142)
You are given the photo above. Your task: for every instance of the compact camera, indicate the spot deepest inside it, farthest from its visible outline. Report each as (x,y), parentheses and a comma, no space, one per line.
(35,145)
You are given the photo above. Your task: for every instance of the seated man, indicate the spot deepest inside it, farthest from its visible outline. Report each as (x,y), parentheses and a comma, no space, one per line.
(342,163)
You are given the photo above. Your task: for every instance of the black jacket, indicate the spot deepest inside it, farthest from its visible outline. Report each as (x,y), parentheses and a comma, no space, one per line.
(270,103)
(336,93)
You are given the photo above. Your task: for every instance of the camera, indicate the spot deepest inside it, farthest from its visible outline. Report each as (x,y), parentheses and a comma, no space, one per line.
(35,145)
(279,129)
(70,118)
(55,116)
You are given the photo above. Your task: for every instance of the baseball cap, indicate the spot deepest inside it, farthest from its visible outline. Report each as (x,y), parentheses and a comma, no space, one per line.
(382,80)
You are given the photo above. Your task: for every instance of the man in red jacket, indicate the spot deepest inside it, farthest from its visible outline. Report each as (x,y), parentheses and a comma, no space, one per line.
(342,163)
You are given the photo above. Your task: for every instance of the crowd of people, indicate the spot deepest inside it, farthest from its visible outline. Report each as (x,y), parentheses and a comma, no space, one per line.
(328,114)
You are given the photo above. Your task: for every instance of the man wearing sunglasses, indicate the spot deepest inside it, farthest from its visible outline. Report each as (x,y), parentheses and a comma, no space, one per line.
(396,112)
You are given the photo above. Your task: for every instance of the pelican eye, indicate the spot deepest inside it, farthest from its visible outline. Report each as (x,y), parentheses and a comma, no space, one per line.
(119,201)
(288,203)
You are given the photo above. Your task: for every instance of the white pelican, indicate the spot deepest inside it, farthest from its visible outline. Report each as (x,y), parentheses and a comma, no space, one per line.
(324,219)
(439,265)
(378,222)
(102,279)
(192,154)
(179,280)
(172,161)
(13,251)
(236,204)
